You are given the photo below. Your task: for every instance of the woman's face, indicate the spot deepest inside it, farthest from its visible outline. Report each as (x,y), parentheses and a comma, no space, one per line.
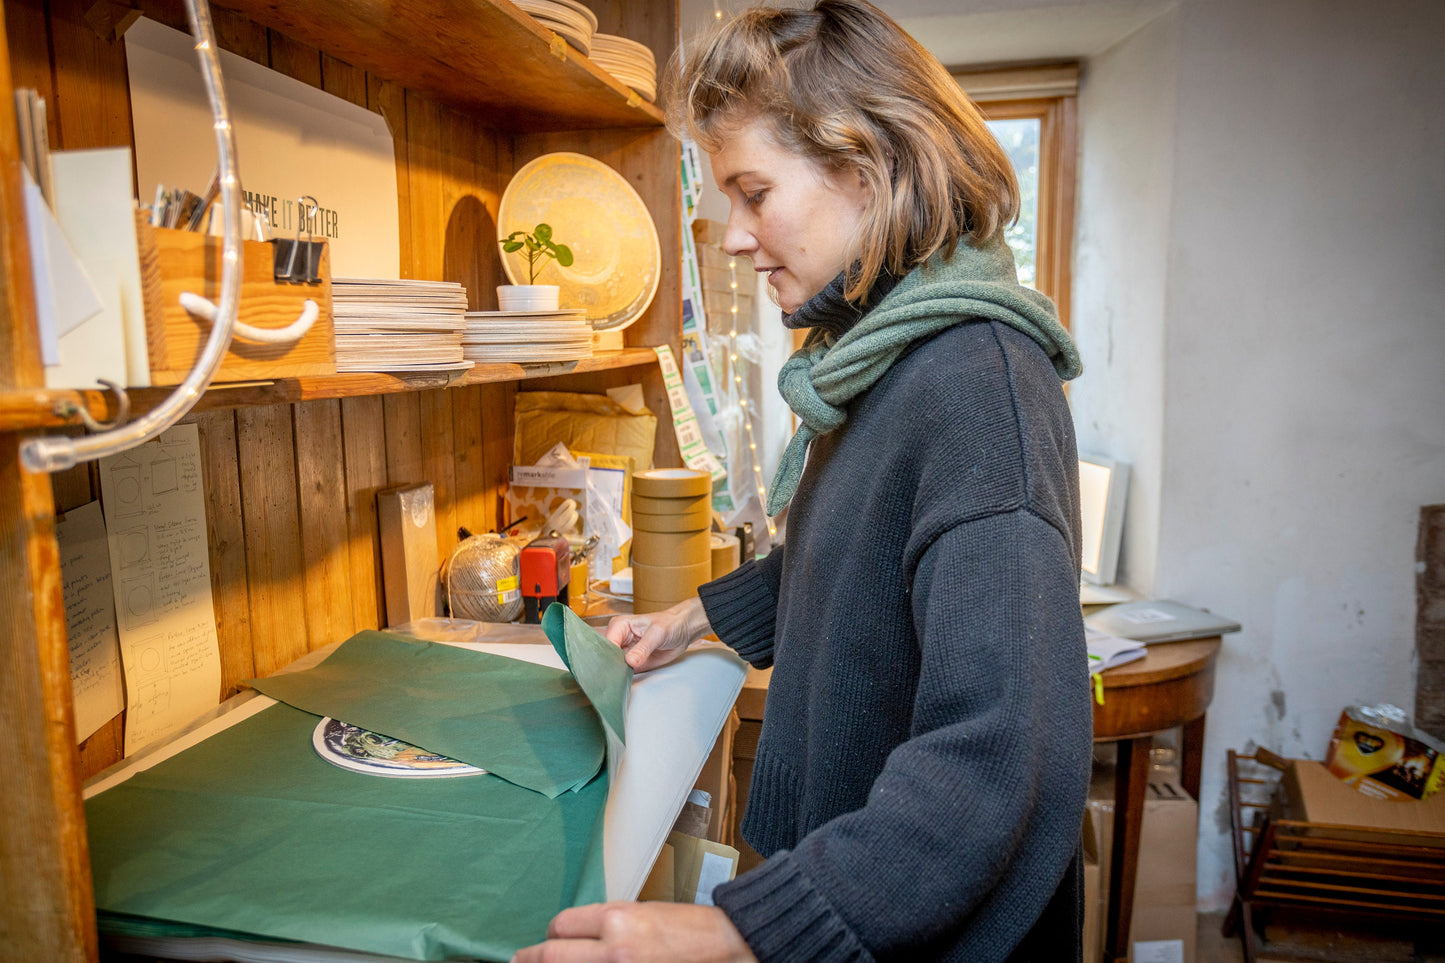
(794,219)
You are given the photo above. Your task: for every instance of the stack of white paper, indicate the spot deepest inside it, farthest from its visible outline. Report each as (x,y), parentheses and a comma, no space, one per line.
(398,325)
(524,337)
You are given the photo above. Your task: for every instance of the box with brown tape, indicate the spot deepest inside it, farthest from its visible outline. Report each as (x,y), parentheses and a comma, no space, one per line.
(173,262)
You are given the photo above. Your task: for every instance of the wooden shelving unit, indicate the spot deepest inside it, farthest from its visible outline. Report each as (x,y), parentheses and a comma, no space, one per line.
(41,408)
(471,90)
(488,58)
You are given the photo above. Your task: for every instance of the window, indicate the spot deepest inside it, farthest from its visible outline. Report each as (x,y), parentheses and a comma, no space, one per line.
(1031,110)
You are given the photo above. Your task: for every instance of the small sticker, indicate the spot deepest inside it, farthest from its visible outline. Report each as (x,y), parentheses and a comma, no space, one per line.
(1144,616)
(1158,951)
(507,590)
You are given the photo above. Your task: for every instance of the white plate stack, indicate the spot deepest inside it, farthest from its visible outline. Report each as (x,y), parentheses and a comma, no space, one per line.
(570,20)
(527,337)
(627,60)
(387,325)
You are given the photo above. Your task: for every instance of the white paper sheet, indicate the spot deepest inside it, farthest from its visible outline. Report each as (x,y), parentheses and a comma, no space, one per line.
(291,140)
(156,519)
(96,210)
(95,681)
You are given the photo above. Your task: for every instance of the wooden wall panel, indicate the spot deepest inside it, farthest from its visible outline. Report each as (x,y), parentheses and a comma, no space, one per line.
(362,424)
(266,449)
(404,465)
(498,402)
(236,34)
(321,503)
(294,59)
(439,464)
(470,499)
(343,80)
(92,93)
(226,538)
(28,33)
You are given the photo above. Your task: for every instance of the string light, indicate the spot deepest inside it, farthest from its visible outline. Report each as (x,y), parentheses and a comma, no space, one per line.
(742,395)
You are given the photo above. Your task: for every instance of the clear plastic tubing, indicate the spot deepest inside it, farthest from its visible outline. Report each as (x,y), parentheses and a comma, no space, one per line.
(57,452)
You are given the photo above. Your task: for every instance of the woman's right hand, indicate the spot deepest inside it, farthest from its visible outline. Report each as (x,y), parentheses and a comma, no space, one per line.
(657,638)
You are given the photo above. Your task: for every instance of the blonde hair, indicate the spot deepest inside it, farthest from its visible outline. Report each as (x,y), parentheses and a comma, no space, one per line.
(843,84)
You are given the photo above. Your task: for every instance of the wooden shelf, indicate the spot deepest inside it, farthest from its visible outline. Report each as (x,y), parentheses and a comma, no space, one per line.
(483,56)
(22,410)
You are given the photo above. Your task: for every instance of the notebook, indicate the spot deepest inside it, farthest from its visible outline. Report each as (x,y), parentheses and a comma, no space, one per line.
(1107,651)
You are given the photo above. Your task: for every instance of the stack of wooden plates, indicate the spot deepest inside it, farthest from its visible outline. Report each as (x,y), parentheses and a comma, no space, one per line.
(386,325)
(527,337)
(570,20)
(628,61)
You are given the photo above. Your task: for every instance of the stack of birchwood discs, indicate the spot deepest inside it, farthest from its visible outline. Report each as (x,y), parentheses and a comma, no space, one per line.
(671,541)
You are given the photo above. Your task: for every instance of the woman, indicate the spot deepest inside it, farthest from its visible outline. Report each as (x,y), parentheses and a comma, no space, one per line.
(919,786)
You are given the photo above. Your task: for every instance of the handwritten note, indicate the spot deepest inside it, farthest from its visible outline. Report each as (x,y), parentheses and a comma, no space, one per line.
(156,521)
(89,619)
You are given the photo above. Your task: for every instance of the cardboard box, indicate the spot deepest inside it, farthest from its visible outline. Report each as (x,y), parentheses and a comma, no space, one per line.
(1164,888)
(1093,897)
(410,566)
(1310,792)
(688,868)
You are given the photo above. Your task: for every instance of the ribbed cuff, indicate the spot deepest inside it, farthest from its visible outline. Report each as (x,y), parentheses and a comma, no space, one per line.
(742,609)
(783,918)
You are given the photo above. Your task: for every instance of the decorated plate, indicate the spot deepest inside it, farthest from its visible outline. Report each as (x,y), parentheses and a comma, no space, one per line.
(617,258)
(360,750)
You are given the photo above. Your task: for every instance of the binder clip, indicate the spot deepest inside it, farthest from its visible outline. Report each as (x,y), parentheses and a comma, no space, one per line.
(297,261)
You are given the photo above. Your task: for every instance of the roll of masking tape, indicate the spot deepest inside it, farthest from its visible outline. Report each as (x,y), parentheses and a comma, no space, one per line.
(670,548)
(671,483)
(692,521)
(725,552)
(668,583)
(670,506)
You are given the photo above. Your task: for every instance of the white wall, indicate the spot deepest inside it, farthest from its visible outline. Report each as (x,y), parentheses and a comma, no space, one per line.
(1304,407)
(1126,179)
(1302,417)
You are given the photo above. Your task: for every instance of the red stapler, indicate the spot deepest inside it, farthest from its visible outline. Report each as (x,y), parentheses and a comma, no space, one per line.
(546,566)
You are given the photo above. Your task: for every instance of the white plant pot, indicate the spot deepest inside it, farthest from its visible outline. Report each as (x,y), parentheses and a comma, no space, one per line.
(527,297)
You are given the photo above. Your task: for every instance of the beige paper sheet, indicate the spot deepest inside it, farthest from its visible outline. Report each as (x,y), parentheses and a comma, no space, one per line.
(156,521)
(291,140)
(95,679)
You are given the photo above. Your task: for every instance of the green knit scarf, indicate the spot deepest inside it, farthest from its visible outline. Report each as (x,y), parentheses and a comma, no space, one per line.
(826,373)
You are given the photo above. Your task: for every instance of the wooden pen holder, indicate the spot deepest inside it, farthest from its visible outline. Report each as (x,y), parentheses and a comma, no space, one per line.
(173,262)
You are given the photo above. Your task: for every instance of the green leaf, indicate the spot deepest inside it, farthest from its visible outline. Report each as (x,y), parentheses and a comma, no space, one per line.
(509,246)
(542,232)
(563,254)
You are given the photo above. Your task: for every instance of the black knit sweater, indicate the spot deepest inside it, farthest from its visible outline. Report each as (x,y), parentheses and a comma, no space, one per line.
(919,786)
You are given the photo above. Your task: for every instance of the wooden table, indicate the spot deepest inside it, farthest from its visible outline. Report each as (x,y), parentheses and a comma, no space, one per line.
(1170,687)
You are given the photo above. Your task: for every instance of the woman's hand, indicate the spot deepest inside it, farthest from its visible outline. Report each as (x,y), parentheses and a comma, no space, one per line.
(657,638)
(640,933)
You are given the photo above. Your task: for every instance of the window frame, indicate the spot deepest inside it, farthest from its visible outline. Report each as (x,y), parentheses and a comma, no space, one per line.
(1047,93)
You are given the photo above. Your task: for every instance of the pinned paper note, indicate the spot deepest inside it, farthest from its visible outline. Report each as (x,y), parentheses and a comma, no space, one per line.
(156,522)
(95,681)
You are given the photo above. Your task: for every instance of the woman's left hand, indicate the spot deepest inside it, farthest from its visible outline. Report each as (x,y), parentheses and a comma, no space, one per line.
(640,933)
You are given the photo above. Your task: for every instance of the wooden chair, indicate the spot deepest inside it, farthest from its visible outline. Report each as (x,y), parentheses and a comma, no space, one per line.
(1322,869)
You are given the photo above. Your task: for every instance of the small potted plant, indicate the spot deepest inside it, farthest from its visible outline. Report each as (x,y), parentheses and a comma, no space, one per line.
(537,247)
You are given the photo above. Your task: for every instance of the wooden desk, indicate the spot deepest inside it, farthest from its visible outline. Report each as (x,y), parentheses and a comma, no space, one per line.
(1170,687)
